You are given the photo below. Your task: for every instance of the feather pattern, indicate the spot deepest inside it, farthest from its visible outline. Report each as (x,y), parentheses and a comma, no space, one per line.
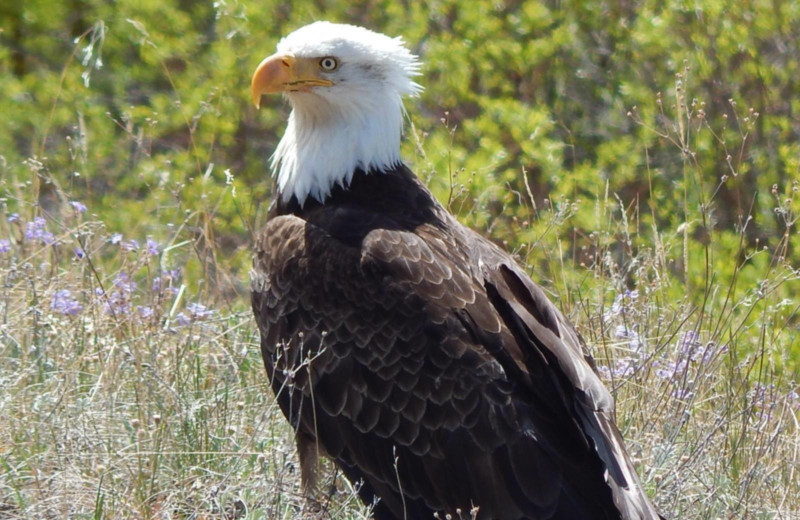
(355,123)
(424,361)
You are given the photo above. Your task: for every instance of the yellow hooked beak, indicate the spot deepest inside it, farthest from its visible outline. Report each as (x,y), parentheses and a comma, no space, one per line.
(285,73)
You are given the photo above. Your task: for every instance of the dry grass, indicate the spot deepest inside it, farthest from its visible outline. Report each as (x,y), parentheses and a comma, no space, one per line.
(125,397)
(129,394)
(122,400)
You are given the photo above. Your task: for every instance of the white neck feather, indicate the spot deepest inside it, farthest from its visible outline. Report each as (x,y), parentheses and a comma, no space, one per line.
(325,143)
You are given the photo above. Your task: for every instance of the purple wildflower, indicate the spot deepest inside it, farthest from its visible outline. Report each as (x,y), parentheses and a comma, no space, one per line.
(80,207)
(761,395)
(621,331)
(616,307)
(117,300)
(79,252)
(124,283)
(707,353)
(152,247)
(131,245)
(198,311)
(5,245)
(794,399)
(14,217)
(37,231)
(635,341)
(116,238)
(624,367)
(144,311)
(690,347)
(116,303)
(33,229)
(689,342)
(672,370)
(683,393)
(63,303)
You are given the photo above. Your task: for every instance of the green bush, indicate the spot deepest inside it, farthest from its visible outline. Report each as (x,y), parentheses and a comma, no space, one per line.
(641,159)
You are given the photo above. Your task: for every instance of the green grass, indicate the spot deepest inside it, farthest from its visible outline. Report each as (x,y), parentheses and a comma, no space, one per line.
(638,187)
(128,414)
(134,396)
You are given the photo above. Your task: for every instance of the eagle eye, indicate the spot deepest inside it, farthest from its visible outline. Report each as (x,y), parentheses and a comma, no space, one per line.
(328,64)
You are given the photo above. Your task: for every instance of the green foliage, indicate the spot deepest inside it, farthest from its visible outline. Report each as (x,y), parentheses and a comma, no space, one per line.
(143,105)
(613,146)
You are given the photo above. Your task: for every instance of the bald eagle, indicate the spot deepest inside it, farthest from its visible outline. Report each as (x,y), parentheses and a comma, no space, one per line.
(407,348)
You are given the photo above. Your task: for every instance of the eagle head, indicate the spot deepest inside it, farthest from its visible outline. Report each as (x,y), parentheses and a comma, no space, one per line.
(345,85)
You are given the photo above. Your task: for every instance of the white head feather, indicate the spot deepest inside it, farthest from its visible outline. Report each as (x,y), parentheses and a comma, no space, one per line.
(355,123)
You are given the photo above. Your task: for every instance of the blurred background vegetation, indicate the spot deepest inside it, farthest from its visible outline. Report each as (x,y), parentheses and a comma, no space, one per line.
(641,159)
(682,115)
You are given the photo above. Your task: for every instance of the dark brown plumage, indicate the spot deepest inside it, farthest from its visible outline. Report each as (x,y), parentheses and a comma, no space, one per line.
(423,360)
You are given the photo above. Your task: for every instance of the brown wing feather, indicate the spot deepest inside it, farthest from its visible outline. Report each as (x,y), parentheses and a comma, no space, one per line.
(551,335)
(427,361)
